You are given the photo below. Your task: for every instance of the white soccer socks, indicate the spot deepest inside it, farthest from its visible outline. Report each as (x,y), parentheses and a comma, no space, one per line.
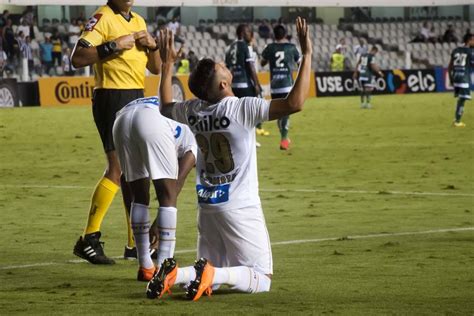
(185,275)
(243,279)
(167,218)
(141,227)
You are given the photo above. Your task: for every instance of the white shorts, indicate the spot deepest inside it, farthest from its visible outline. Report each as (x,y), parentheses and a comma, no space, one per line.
(235,238)
(145,144)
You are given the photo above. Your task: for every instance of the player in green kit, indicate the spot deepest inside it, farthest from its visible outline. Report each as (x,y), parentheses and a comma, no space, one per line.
(365,69)
(459,69)
(241,64)
(281,55)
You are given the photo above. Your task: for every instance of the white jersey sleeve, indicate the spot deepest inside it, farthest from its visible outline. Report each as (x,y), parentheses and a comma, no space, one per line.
(181,110)
(251,111)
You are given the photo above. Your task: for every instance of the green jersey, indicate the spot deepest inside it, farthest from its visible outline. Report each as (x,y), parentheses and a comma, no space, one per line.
(236,58)
(461,71)
(365,67)
(282,58)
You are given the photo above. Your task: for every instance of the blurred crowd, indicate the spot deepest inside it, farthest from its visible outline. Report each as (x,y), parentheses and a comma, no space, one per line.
(46,50)
(428,34)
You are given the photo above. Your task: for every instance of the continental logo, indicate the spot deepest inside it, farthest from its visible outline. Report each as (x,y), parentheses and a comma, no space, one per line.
(65,92)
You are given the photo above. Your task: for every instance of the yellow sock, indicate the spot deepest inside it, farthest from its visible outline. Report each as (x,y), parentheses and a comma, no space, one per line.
(101,199)
(130,240)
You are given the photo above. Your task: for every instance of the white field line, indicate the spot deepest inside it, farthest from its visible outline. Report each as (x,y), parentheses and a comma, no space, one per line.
(383,192)
(278,243)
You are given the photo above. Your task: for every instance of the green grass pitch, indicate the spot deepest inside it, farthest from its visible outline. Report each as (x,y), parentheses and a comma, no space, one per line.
(350,172)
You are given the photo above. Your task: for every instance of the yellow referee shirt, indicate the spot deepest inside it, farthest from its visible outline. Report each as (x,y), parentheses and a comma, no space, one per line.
(127,70)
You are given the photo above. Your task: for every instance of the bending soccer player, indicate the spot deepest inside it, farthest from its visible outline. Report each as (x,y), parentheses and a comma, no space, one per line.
(365,69)
(146,147)
(233,241)
(459,69)
(281,55)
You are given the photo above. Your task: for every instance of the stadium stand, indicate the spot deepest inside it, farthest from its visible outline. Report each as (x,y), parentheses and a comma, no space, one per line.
(394,38)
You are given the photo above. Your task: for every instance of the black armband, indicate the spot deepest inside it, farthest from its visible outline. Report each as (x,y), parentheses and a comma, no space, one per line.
(83,43)
(107,49)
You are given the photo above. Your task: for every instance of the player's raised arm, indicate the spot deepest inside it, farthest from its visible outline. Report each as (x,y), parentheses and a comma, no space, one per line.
(169,55)
(294,101)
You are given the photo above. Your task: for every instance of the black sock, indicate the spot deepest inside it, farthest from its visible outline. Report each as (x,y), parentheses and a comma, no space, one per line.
(459,109)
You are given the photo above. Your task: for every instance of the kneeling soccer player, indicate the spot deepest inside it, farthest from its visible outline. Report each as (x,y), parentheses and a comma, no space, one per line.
(233,241)
(459,69)
(147,149)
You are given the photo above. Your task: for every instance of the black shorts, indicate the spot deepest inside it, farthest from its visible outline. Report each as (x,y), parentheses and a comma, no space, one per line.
(244,92)
(107,102)
(462,93)
(279,95)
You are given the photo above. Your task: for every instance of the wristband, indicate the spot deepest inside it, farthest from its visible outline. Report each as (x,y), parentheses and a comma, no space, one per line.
(156,47)
(107,49)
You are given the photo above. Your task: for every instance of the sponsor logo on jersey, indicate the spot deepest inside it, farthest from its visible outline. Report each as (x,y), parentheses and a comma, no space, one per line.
(177,132)
(92,22)
(213,195)
(208,123)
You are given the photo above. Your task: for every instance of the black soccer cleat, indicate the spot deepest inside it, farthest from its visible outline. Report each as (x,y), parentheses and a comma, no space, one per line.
(91,249)
(163,280)
(130,253)
(203,281)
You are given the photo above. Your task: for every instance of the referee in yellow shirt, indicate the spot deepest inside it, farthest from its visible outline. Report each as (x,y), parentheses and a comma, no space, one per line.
(115,40)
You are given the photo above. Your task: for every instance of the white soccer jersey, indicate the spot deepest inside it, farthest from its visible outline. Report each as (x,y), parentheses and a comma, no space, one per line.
(226,165)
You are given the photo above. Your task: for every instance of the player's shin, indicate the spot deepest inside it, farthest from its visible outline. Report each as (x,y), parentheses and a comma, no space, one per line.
(459,109)
(167,218)
(140,219)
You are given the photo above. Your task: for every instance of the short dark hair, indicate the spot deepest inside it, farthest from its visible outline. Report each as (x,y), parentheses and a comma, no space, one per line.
(375,48)
(467,37)
(279,31)
(241,29)
(201,78)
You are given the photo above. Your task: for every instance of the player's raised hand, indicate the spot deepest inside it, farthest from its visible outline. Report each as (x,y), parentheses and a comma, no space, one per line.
(303,36)
(125,42)
(145,39)
(168,52)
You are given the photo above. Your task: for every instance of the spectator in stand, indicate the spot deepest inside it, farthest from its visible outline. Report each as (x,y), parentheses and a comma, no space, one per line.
(3,62)
(68,69)
(265,29)
(361,48)
(19,40)
(47,55)
(8,36)
(27,52)
(193,60)
(4,18)
(450,35)
(175,27)
(337,59)
(347,52)
(62,29)
(425,33)
(57,48)
(74,30)
(24,27)
(28,16)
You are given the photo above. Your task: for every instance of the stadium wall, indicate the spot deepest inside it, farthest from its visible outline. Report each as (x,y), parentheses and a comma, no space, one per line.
(396,81)
(67,91)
